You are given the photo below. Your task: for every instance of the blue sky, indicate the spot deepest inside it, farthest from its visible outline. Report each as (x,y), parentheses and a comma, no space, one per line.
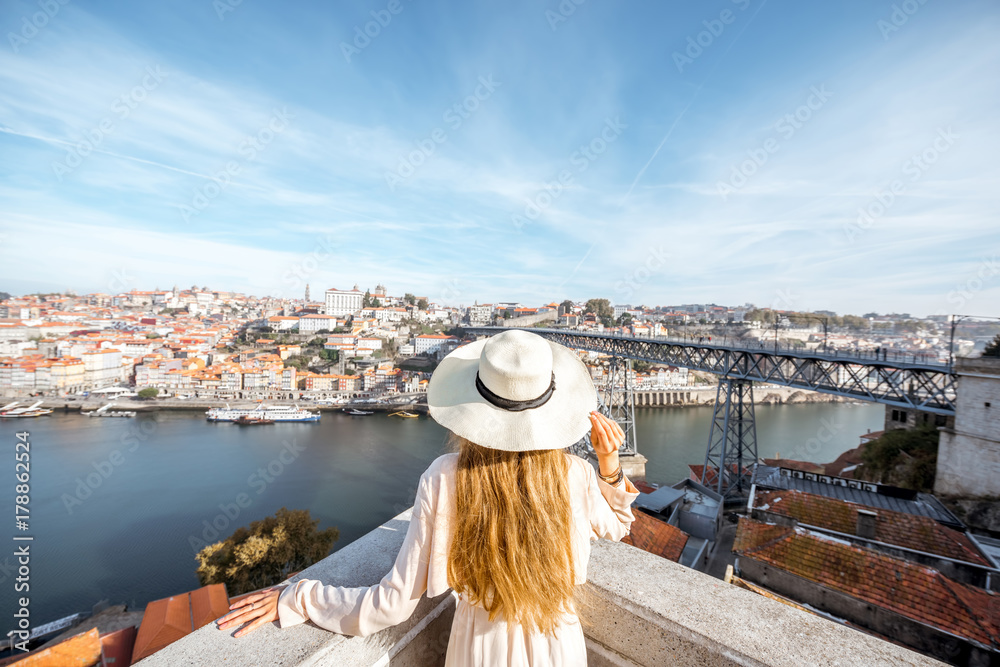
(797,155)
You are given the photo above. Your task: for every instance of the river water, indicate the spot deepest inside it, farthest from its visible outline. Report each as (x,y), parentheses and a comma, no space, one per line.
(120,506)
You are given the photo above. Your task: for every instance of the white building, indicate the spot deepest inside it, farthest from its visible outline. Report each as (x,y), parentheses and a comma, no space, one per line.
(314,323)
(480,313)
(102,367)
(340,303)
(432,343)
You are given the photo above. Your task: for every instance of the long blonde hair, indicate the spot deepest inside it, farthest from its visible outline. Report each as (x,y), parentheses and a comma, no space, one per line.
(512,550)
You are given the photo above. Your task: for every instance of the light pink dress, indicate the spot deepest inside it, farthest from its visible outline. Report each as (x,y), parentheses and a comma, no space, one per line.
(599,511)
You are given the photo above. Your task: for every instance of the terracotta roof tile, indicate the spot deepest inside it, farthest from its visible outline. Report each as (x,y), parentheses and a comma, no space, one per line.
(911,590)
(167,620)
(657,537)
(82,650)
(911,531)
(117,647)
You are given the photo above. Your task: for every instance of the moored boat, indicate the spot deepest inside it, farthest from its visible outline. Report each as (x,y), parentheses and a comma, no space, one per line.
(274,413)
(9,411)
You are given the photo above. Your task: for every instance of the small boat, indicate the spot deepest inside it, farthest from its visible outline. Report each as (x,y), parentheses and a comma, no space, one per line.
(357,413)
(404,413)
(247,420)
(10,412)
(104,412)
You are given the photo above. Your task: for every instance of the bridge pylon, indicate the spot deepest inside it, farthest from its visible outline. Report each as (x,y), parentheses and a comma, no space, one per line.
(732,442)
(616,401)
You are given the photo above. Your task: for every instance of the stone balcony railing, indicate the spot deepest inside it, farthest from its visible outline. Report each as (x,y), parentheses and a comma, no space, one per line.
(640,610)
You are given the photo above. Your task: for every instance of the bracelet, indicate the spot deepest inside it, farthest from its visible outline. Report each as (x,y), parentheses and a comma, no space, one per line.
(615,478)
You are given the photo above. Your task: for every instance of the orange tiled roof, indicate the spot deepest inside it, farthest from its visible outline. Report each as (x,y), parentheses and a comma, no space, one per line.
(82,650)
(792,464)
(657,537)
(915,591)
(117,646)
(167,620)
(911,531)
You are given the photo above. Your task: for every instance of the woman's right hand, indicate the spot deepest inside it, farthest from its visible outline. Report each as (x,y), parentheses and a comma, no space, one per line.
(606,436)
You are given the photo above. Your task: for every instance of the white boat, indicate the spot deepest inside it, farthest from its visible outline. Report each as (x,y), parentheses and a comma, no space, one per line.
(276,413)
(9,411)
(104,412)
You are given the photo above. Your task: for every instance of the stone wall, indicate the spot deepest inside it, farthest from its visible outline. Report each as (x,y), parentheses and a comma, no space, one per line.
(969,454)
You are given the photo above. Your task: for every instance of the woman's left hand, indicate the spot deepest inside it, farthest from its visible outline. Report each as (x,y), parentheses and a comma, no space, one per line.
(256,609)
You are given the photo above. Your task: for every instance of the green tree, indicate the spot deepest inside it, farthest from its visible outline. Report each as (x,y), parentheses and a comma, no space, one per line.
(265,553)
(422,304)
(149,392)
(600,307)
(903,457)
(409,298)
(624,319)
(992,348)
(367,300)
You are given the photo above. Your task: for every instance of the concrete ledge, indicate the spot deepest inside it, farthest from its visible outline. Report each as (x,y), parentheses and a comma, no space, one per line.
(652,611)
(637,609)
(362,563)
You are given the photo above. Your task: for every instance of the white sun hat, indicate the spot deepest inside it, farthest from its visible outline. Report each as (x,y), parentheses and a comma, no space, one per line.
(515,391)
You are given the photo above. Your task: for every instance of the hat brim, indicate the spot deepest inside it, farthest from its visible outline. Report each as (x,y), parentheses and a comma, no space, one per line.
(454,402)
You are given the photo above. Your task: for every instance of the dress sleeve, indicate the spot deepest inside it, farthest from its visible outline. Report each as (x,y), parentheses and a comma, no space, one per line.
(610,506)
(364,611)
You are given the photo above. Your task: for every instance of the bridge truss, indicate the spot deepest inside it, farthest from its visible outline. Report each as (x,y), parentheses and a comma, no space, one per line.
(915,386)
(732,441)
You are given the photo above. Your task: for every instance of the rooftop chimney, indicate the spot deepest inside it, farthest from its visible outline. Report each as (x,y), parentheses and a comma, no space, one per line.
(866,524)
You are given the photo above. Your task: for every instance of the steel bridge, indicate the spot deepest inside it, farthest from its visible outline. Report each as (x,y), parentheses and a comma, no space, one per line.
(905,381)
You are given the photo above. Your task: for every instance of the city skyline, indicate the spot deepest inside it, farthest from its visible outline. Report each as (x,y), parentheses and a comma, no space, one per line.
(833,157)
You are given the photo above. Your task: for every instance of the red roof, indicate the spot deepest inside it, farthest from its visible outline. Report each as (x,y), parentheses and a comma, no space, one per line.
(657,537)
(82,650)
(167,620)
(915,591)
(911,531)
(117,647)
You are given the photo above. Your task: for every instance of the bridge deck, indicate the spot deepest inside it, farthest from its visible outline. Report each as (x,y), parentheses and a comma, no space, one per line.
(906,381)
